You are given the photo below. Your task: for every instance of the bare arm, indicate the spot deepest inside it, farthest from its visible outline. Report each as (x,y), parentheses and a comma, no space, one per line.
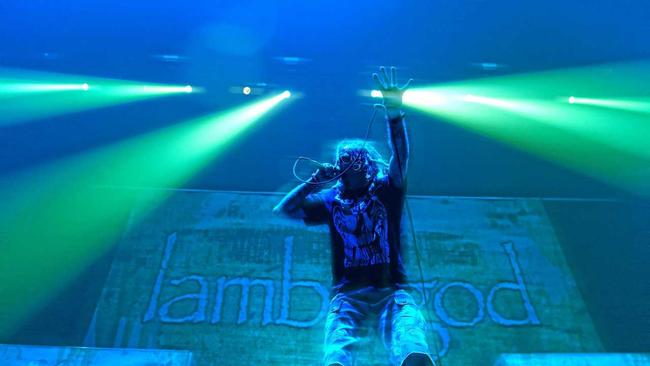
(291,205)
(399,146)
(397,136)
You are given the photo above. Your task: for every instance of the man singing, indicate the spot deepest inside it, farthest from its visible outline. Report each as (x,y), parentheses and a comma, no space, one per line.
(363,210)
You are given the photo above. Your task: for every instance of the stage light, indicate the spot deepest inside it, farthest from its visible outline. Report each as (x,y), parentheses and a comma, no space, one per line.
(421,98)
(572,99)
(638,105)
(40,94)
(413,97)
(58,218)
(285,94)
(165,89)
(246,90)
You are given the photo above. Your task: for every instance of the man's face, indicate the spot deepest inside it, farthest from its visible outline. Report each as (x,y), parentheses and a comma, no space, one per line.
(354,177)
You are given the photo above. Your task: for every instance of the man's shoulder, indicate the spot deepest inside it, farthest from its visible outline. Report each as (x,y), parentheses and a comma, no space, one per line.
(385,182)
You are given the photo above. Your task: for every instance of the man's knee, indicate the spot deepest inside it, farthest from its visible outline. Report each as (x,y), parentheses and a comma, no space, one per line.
(417,359)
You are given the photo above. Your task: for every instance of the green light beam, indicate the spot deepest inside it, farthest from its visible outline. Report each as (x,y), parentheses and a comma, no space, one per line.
(23,88)
(525,111)
(57,219)
(28,95)
(584,141)
(638,105)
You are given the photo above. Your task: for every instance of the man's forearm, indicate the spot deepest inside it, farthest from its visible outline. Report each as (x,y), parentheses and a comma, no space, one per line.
(398,142)
(292,202)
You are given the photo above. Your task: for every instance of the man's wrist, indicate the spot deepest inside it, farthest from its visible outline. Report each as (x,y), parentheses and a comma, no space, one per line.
(314,183)
(394,113)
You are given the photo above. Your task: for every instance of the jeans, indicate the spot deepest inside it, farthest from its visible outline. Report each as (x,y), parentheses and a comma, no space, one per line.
(400,324)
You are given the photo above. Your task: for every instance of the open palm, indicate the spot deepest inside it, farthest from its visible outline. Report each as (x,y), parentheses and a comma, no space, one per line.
(392,94)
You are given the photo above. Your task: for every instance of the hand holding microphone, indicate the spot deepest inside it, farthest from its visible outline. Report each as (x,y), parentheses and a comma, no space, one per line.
(325,173)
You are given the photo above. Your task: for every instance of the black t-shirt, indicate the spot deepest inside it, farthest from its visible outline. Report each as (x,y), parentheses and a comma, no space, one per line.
(365,232)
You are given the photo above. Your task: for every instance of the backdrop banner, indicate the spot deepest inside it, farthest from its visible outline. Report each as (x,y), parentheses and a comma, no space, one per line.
(218,274)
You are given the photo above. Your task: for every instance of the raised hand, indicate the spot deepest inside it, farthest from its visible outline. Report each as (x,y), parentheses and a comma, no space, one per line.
(392,94)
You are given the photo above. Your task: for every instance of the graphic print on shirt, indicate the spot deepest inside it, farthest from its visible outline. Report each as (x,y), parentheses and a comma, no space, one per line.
(363,226)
